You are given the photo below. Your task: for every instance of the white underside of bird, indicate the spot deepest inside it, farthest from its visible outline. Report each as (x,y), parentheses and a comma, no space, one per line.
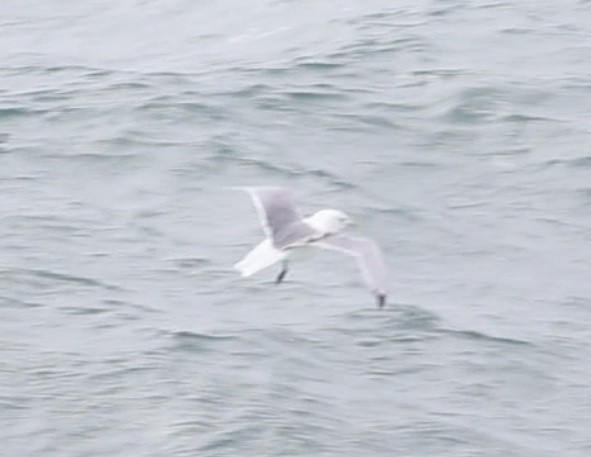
(262,256)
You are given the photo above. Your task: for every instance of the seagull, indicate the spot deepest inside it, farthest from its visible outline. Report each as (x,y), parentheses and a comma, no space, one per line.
(286,230)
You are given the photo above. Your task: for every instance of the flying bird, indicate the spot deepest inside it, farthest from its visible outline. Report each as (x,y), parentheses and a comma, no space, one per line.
(286,230)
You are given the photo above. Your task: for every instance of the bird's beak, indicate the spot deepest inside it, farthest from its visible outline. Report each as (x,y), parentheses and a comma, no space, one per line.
(351,222)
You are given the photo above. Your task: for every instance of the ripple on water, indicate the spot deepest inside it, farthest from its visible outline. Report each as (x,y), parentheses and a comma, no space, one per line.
(195,342)
(122,333)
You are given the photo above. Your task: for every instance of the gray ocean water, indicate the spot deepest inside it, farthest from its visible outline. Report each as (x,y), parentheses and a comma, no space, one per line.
(457,133)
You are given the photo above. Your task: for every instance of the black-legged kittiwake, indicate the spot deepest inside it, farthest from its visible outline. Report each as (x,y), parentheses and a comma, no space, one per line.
(286,230)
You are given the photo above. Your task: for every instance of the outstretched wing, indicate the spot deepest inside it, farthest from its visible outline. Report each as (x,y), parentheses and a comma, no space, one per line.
(279,217)
(369,258)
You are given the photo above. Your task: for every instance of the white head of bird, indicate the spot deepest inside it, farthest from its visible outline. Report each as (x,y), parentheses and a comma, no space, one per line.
(329,221)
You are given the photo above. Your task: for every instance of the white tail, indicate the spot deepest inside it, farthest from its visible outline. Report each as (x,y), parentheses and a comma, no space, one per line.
(262,256)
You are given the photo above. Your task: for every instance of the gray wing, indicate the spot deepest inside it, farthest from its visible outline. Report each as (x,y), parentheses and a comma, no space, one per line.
(369,257)
(279,217)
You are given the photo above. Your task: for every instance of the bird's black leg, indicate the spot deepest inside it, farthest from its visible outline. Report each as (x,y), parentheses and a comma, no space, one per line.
(381,300)
(282,273)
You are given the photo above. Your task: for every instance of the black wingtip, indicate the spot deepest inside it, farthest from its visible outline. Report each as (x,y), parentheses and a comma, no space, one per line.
(381,299)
